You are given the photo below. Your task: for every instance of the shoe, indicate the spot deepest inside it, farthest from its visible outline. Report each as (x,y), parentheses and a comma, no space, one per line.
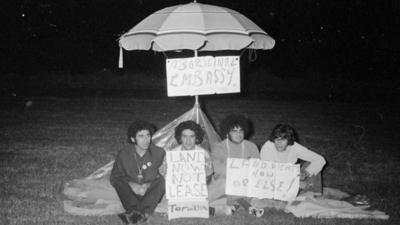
(142,219)
(211,211)
(124,218)
(358,200)
(256,212)
(134,217)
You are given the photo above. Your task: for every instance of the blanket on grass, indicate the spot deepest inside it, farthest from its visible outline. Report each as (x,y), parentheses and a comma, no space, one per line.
(308,205)
(88,197)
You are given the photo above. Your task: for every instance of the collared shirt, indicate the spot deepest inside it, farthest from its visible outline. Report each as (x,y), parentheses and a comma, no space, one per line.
(128,164)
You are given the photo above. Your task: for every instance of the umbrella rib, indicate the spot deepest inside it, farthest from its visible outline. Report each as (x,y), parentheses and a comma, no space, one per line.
(206,33)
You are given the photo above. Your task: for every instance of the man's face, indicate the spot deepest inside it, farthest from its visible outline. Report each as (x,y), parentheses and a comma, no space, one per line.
(143,139)
(281,144)
(188,139)
(236,135)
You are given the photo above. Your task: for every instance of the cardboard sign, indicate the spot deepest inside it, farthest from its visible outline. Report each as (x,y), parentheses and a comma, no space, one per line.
(186,188)
(287,181)
(203,75)
(237,176)
(262,179)
(186,209)
(186,176)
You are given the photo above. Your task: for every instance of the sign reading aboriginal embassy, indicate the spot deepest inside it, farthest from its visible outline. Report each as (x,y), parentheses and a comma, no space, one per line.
(203,75)
(186,188)
(262,179)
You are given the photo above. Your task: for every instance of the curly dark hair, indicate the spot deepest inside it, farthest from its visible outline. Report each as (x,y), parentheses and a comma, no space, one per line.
(285,131)
(137,126)
(235,120)
(191,125)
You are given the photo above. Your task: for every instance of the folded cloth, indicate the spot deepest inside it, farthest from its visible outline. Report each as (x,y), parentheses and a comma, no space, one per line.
(358,200)
(319,207)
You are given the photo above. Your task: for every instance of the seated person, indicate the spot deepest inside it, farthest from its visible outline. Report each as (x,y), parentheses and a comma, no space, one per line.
(135,174)
(235,129)
(189,135)
(281,147)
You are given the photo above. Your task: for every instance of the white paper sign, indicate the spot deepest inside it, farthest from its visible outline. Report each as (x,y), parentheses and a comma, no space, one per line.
(237,176)
(287,181)
(185,209)
(262,179)
(203,75)
(186,188)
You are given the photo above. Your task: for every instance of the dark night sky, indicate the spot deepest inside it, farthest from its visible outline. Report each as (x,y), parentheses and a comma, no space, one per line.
(356,38)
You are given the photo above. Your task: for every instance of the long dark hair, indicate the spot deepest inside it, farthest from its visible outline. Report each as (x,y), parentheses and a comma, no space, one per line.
(285,131)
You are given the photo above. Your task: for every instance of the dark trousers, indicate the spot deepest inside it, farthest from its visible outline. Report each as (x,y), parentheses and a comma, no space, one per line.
(312,183)
(144,204)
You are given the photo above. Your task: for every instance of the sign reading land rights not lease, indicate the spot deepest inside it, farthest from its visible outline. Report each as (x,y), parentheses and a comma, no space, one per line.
(186,188)
(203,75)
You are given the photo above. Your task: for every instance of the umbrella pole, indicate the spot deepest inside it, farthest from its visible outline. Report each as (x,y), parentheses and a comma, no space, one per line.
(196,97)
(197,108)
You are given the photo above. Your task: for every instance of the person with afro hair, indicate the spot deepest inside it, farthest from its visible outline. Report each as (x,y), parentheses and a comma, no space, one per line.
(189,135)
(235,129)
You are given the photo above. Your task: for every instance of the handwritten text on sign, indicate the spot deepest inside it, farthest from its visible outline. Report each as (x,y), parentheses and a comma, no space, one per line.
(186,176)
(262,179)
(183,209)
(203,75)
(186,188)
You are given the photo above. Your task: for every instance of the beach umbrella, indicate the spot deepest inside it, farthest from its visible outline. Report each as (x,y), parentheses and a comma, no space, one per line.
(195,26)
(198,27)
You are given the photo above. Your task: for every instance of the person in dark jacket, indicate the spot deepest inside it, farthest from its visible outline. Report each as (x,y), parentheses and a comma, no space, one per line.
(135,174)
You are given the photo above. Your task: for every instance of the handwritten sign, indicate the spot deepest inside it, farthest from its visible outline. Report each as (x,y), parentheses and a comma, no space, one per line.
(237,176)
(186,188)
(183,209)
(287,181)
(262,179)
(203,75)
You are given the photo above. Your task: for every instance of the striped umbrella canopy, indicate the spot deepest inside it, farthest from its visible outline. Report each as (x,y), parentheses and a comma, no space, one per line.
(196,26)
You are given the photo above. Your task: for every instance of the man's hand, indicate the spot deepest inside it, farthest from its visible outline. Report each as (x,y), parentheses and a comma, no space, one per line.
(139,189)
(304,175)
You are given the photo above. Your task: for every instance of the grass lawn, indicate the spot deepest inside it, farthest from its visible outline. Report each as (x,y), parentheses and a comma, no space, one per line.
(58,139)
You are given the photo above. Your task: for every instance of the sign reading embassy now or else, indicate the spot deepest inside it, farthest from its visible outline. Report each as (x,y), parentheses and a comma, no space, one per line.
(203,75)
(262,179)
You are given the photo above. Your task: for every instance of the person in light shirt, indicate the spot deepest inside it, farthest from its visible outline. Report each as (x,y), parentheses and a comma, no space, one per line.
(282,147)
(235,128)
